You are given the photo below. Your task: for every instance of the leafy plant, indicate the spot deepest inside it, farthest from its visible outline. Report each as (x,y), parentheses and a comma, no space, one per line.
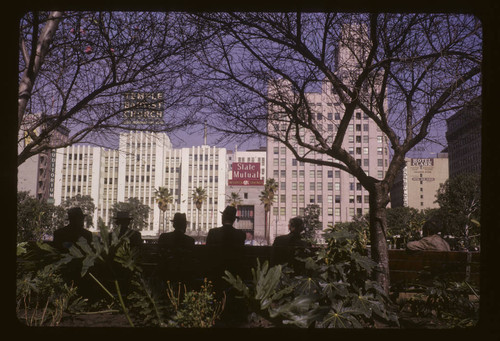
(194,309)
(335,289)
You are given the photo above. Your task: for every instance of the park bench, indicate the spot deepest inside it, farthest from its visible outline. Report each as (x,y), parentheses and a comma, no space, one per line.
(405,266)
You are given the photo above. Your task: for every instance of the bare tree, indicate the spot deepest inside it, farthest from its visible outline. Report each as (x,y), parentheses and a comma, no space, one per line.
(76,70)
(405,72)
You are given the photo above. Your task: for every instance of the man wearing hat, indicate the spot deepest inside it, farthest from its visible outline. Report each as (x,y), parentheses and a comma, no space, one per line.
(227,235)
(177,238)
(69,234)
(123,219)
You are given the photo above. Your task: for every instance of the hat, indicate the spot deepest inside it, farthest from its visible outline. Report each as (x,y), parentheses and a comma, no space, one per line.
(75,212)
(121,215)
(179,219)
(230,212)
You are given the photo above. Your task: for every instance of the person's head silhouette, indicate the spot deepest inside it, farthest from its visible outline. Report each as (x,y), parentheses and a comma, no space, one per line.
(76,217)
(296,226)
(123,219)
(229,215)
(179,222)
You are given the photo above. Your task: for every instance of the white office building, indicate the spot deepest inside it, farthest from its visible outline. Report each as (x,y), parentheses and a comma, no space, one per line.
(144,162)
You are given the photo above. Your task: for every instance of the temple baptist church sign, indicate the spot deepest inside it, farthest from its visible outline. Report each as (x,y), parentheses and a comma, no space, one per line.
(143,108)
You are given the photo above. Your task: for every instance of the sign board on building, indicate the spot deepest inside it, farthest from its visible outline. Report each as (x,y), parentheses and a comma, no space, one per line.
(246,174)
(143,107)
(422,162)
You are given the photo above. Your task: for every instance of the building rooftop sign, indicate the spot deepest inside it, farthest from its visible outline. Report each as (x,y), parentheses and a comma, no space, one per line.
(143,107)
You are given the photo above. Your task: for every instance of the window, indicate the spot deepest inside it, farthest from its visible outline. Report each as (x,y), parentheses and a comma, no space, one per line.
(351,186)
(283,162)
(275,162)
(312,186)
(365,127)
(320,116)
(294,198)
(358,150)
(365,162)
(275,211)
(312,173)
(350,138)
(330,174)
(365,150)
(283,150)
(301,198)
(330,199)
(379,138)
(245,195)
(358,115)
(283,173)
(283,198)
(275,151)
(337,116)
(359,199)
(380,162)
(294,186)
(351,199)
(359,212)
(337,211)
(365,138)
(337,174)
(330,186)
(301,186)
(294,173)
(358,186)
(320,199)
(283,186)
(311,198)
(350,127)
(294,162)
(358,127)
(275,173)
(319,186)
(358,162)
(330,116)
(337,186)
(358,138)
(351,150)
(330,127)
(301,173)
(380,174)
(379,150)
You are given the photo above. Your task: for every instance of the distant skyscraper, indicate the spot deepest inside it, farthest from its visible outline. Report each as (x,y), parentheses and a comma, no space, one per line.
(144,162)
(464,139)
(339,195)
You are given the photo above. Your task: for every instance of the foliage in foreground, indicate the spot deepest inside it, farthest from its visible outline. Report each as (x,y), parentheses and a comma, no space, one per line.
(334,291)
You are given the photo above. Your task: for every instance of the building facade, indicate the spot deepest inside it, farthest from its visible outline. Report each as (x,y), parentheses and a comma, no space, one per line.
(36,175)
(144,162)
(338,193)
(464,139)
(251,210)
(416,185)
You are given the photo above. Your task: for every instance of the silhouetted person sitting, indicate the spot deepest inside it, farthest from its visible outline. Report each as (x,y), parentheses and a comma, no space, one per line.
(177,238)
(122,220)
(68,235)
(285,247)
(431,241)
(226,235)
(176,249)
(225,248)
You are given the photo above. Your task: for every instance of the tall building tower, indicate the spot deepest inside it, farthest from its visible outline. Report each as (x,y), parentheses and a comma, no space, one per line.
(464,139)
(339,195)
(144,162)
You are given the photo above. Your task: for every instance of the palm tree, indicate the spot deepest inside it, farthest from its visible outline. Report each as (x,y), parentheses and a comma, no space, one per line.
(267,199)
(199,197)
(235,199)
(164,197)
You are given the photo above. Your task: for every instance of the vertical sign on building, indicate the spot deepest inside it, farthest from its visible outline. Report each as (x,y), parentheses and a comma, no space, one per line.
(143,108)
(52,175)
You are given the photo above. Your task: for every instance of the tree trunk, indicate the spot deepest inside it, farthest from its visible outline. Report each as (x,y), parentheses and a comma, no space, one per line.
(265,227)
(378,235)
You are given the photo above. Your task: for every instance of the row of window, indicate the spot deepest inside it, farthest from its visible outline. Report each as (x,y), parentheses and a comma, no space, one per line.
(330,211)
